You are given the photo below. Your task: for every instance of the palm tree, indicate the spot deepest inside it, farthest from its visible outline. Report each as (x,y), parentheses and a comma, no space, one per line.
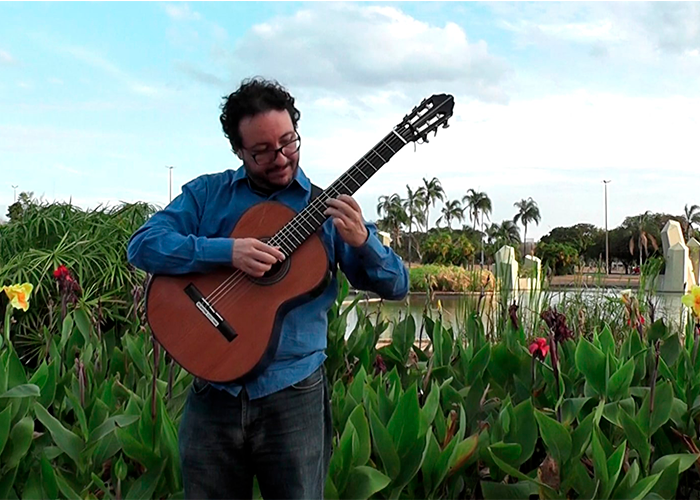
(391,208)
(528,212)
(640,232)
(431,192)
(452,210)
(413,205)
(692,216)
(478,202)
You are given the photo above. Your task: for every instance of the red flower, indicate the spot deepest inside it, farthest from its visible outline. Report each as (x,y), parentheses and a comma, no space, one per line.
(539,348)
(61,272)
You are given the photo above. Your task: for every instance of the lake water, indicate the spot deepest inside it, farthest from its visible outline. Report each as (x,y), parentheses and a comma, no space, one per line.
(599,302)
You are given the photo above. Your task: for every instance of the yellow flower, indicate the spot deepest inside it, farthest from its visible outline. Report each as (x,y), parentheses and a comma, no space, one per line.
(692,300)
(19,295)
(439,305)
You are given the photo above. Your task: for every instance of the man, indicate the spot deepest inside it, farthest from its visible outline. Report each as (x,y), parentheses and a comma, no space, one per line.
(277,426)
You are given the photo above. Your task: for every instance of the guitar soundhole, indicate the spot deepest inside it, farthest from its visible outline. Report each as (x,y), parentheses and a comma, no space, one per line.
(276,273)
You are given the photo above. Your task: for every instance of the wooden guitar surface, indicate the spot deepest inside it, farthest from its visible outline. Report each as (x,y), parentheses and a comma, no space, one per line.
(252,308)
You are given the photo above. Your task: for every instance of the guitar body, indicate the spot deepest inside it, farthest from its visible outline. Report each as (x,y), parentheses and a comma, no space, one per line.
(245,342)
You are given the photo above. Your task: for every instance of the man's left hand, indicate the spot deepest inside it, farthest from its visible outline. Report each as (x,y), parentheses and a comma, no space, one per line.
(347,218)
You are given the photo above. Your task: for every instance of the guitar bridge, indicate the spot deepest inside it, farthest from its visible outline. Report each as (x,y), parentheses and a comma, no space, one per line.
(210,313)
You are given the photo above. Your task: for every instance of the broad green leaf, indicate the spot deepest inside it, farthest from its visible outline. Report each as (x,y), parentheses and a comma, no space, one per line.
(614,466)
(83,322)
(499,491)
(591,362)
(508,452)
(607,342)
(66,330)
(432,455)
(667,484)
(109,425)
(32,487)
(685,461)
(19,443)
(619,383)
(478,364)
(463,452)
(71,444)
(384,446)
(523,430)
(644,486)
(663,404)
(600,463)
(512,471)
(555,436)
(48,477)
(571,407)
(365,482)
(405,422)
(622,490)
(430,408)
(581,436)
(6,483)
(410,465)
(362,447)
(635,436)
(145,485)
(5,422)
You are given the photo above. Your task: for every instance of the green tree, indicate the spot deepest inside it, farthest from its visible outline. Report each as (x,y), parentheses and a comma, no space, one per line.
(692,217)
(528,212)
(414,206)
(478,202)
(452,210)
(431,191)
(642,227)
(390,209)
(19,208)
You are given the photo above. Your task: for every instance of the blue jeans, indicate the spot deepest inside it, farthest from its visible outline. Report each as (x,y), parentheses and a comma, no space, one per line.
(284,439)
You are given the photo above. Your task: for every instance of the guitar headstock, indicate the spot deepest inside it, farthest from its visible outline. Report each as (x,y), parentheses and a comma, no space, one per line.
(431,114)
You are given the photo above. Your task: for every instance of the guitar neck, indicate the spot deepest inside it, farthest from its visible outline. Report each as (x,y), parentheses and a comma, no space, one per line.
(306,222)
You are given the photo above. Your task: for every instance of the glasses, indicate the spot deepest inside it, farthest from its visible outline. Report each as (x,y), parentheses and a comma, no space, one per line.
(267,157)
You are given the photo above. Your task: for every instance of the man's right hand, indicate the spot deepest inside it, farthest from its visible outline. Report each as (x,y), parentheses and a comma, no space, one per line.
(254,257)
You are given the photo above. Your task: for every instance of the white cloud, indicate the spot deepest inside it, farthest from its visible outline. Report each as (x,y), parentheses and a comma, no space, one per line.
(181,12)
(6,58)
(344,47)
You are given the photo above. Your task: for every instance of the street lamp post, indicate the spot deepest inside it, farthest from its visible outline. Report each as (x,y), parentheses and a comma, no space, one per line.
(607,244)
(14,189)
(170,182)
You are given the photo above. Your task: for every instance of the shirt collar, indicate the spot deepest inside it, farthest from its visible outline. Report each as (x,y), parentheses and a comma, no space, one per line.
(300,178)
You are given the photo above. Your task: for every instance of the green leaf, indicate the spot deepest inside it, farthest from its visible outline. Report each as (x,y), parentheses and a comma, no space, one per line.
(361,448)
(478,364)
(614,466)
(644,486)
(663,404)
(512,471)
(523,430)
(600,463)
(499,491)
(69,443)
(405,422)
(145,485)
(48,477)
(619,383)
(607,342)
(66,330)
(627,482)
(19,442)
(581,436)
(685,461)
(667,484)
(555,436)
(430,408)
(109,425)
(571,407)
(6,483)
(365,482)
(635,436)
(5,421)
(463,452)
(591,362)
(83,322)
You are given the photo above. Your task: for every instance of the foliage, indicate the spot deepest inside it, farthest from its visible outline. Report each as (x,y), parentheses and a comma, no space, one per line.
(561,258)
(438,278)
(446,247)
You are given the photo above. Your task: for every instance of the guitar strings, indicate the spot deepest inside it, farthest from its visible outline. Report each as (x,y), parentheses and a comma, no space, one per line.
(232,281)
(286,233)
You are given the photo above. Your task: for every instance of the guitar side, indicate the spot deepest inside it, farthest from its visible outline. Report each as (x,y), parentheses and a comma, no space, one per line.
(252,310)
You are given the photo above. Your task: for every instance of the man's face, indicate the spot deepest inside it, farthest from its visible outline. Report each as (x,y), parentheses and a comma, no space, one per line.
(261,135)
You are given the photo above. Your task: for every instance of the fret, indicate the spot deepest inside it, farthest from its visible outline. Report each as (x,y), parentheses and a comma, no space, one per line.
(306,222)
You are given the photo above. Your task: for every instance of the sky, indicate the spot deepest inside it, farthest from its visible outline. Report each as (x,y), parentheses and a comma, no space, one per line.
(98,99)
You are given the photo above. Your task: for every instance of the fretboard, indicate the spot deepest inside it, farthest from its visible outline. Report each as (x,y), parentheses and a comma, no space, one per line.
(306,222)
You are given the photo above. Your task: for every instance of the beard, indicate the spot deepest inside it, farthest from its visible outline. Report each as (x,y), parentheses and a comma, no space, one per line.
(272,177)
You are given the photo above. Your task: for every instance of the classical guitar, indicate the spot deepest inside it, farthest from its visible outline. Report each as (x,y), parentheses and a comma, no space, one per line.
(224,326)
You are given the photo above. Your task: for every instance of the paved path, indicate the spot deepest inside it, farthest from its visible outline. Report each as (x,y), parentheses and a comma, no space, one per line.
(592,280)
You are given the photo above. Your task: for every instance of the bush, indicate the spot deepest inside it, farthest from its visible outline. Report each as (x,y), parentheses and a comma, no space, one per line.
(450,279)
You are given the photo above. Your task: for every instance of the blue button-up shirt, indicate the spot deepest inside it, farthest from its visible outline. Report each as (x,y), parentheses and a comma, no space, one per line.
(192,235)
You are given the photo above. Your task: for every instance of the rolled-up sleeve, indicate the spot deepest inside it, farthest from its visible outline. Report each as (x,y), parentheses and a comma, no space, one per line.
(373,267)
(168,243)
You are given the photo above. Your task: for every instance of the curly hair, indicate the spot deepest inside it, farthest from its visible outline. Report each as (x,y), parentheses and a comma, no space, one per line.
(254,96)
